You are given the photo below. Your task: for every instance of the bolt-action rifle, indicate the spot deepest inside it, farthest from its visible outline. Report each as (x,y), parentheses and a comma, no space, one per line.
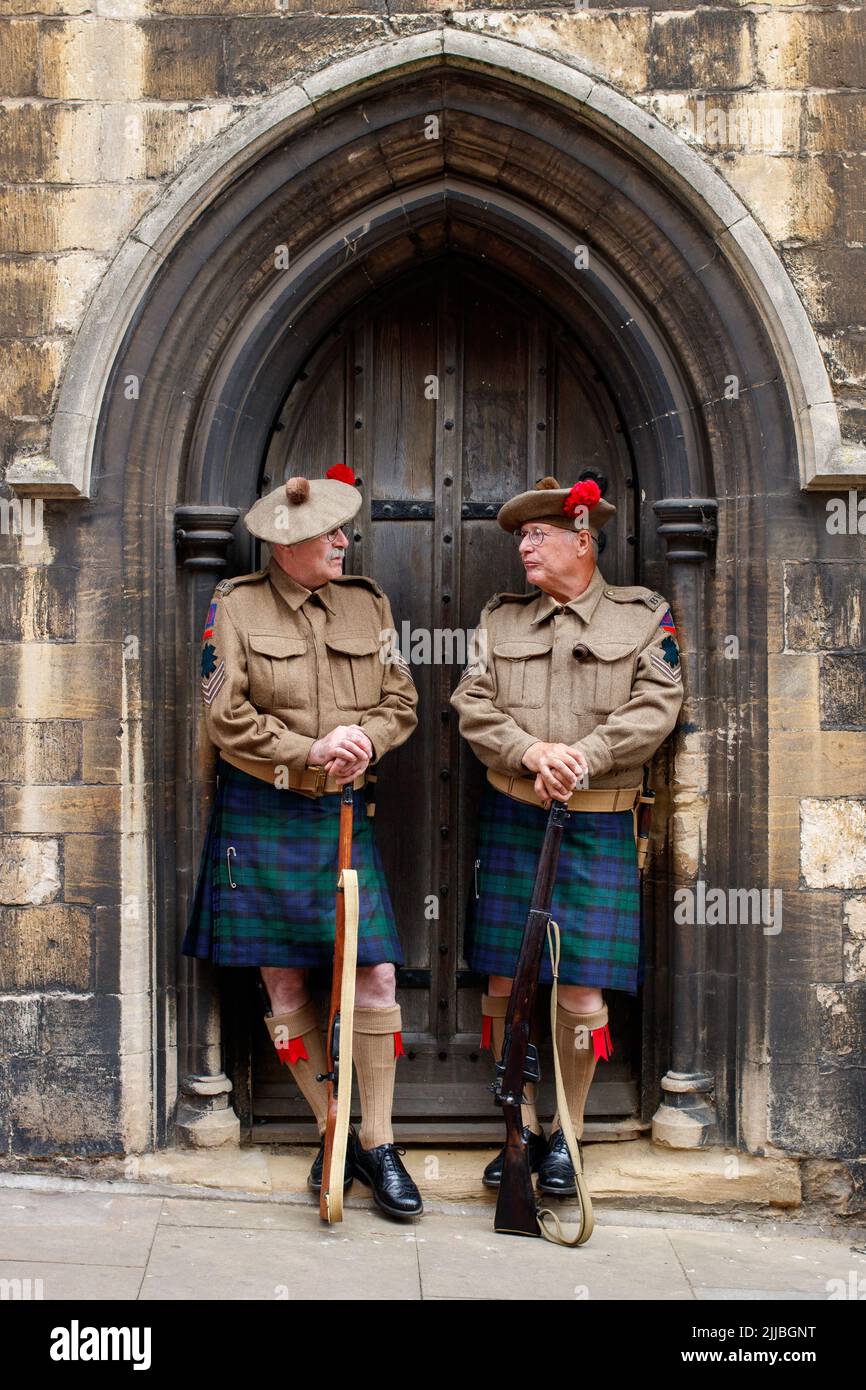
(516,1211)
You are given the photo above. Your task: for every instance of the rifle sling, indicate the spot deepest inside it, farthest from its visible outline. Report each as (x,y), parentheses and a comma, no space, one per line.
(557,1235)
(348,881)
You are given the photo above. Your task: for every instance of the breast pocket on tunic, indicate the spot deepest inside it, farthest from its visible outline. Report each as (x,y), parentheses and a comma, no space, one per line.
(602,675)
(356,670)
(279,679)
(522,672)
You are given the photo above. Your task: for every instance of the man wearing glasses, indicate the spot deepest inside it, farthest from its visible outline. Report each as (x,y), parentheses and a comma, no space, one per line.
(577,684)
(299,701)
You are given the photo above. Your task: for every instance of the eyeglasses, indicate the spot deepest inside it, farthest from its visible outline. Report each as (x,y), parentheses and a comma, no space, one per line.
(534,535)
(331,536)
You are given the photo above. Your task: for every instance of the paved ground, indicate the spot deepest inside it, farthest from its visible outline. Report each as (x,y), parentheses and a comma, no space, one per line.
(119,1241)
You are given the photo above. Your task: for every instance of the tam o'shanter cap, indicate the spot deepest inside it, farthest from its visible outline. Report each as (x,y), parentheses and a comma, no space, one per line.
(577,508)
(302,508)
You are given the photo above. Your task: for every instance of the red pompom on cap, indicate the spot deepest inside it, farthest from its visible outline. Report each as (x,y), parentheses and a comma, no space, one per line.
(342,473)
(584,494)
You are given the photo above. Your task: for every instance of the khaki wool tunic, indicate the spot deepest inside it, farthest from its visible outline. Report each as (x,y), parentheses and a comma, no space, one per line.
(601,673)
(281,667)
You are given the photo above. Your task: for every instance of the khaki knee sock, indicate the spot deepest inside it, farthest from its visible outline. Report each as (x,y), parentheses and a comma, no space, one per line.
(577,1057)
(299,1043)
(495,1007)
(375,1055)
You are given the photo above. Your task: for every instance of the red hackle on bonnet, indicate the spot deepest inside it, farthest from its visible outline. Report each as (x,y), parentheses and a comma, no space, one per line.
(341,473)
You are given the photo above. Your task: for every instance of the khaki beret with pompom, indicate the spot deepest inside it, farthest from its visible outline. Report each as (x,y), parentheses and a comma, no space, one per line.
(302,508)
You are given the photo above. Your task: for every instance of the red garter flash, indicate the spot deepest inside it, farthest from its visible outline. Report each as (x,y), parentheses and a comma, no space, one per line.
(398,1045)
(601,1043)
(486,1031)
(293,1051)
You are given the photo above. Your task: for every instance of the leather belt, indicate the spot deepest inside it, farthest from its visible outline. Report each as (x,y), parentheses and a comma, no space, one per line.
(588,799)
(313,781)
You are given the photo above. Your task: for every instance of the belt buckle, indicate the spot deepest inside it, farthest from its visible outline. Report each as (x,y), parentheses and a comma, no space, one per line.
(321,779)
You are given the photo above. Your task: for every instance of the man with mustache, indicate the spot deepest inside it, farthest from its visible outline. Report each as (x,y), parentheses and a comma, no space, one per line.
(299,702)
(577,684)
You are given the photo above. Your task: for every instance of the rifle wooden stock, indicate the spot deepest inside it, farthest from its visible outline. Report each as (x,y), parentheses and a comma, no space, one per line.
(516,1212)
(339,1050)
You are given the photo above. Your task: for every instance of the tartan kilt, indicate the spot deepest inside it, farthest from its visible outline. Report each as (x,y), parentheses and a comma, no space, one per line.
(596,895)
(282,911)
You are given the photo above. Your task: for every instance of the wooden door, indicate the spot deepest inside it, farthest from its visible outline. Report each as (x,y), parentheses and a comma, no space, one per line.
(447,395)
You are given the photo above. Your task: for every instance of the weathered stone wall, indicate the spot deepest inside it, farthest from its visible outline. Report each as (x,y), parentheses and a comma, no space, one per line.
(100,105)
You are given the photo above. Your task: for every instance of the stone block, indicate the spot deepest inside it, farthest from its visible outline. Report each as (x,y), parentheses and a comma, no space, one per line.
(185,59)
(809,947)
(783,828)
(841,1023)
(792,682)
(55,681)
(706,49)
(844,350)
(854,941)
(617,45)
(106,947)
(833,843)
(835,122)
(91,869)
(819,1113)
(754,122)
(791,198)
(29,870)
(826,763)
(91,61)
(260,53)
(19,56)
(80,1027)
(43,810)
(29,374)
(810,47)
(87,218)
(831,279)
(19,1027)
(44,948)
(65,1105)
(103,750)
(43,752)
(852,198)
(825,605)
(843,691)
(171,135)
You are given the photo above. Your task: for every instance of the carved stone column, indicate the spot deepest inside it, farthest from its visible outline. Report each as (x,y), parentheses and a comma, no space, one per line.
(205,1118)
(686,1117)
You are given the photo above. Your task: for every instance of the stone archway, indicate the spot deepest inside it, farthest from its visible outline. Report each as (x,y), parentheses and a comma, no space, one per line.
(531,162)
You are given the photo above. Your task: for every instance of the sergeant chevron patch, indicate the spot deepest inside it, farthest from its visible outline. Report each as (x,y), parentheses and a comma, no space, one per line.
(403,665)
(211,686)
(673,673)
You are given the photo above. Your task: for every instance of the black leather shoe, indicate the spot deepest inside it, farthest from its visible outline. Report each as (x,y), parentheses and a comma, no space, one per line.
(315,1177)
(492,1175)
(393,1189)
(556,1174)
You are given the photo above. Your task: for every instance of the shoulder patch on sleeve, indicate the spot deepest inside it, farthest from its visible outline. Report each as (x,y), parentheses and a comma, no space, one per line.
(634,593)
(363,579)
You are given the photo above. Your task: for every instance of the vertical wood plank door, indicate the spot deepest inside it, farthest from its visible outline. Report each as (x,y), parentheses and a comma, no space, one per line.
(448,394)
